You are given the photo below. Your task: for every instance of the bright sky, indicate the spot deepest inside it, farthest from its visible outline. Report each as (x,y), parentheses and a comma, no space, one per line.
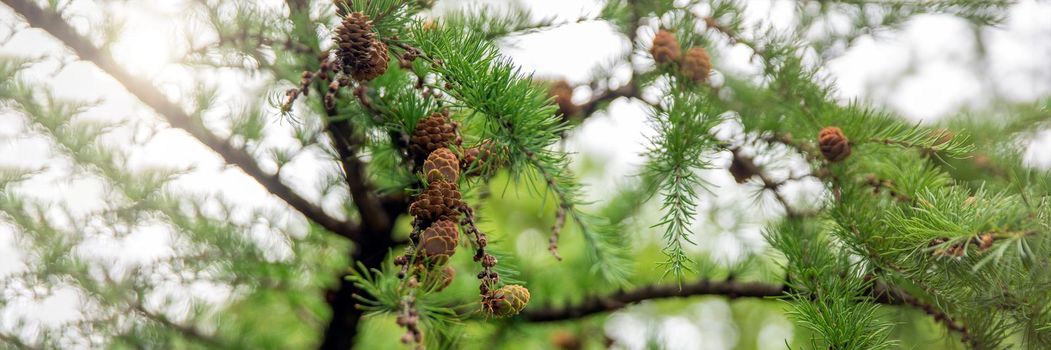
(933,56)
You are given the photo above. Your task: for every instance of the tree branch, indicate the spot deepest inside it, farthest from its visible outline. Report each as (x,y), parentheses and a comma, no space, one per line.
(881,293)
(743,168)
(56,26)
(369,206)
(593,305)
(885,294)
(626,90)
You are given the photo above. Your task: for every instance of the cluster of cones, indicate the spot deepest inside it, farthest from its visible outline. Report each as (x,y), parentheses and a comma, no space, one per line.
(439,212)
(695,64)
(437,209)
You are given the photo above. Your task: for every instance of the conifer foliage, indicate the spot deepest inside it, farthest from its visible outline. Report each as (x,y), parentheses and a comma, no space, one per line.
(462,218)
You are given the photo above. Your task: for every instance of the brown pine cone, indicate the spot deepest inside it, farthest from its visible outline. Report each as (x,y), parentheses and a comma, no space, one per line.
(359,51)
(834,145)
(563,94)
(376,65)
(433,132)
(665,48)
(442,164)
(696,64)
(354,37)
(440,201)
(481,159)
(438,242)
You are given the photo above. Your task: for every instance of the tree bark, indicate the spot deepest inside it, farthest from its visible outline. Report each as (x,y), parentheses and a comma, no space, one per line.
(342,329)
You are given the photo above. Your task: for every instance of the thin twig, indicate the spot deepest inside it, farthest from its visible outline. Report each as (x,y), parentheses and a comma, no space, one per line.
(768,183)
(563,206)
(626,90)
(560,221)
(885,294)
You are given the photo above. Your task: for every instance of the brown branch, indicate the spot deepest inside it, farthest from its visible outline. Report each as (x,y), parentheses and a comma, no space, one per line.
(805,148)
(560,221)
(56,26)
(775,188)
(347,144)
(627,90)
(881,293)
(369,207)
(743,168)
(884,294)
(593,305)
